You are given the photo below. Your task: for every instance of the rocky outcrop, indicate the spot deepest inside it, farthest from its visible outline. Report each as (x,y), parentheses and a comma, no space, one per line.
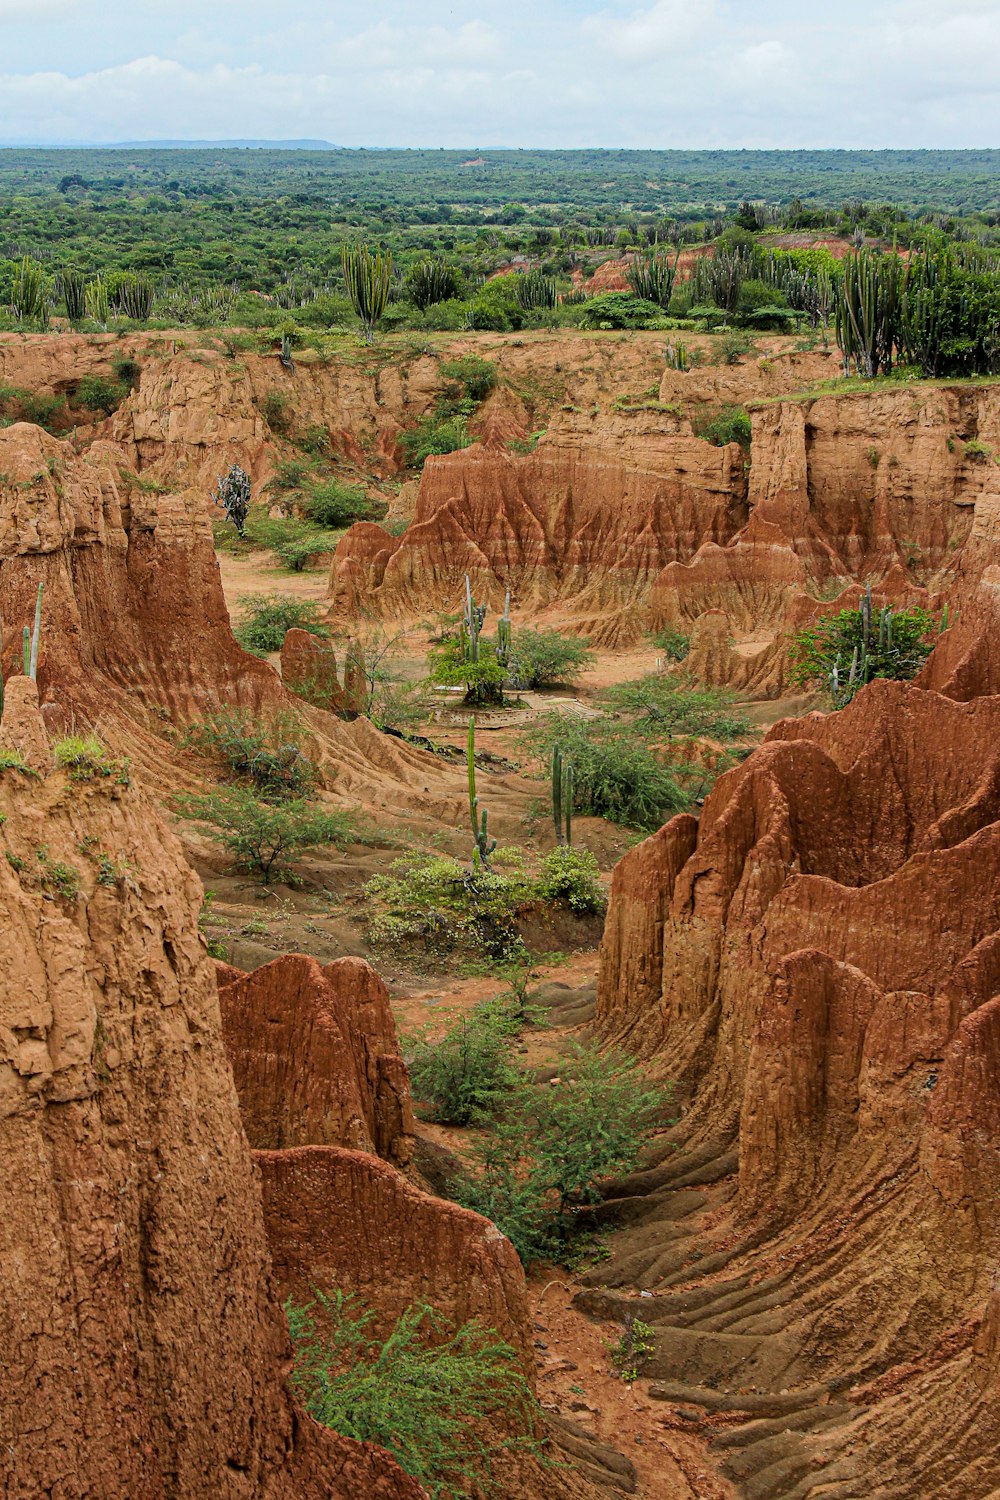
(817,965)
(315,1057)
(145,1353)
(309,669)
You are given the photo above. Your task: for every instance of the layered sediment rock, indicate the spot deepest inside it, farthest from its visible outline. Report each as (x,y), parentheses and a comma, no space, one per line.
(144,1351)
(626,521)
(817,964)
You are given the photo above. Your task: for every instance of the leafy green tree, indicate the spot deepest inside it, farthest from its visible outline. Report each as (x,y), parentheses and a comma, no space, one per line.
(267,619)
(662,705)
(616,774)
(543,1163)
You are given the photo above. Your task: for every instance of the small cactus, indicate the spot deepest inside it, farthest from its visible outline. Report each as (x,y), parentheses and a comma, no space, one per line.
(484,845)
(562,797)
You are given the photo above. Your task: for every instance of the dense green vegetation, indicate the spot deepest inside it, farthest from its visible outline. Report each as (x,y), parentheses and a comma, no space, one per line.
(195,232)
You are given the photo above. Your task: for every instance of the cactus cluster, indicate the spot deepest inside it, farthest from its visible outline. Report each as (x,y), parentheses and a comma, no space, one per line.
(484,845)
(432,280)
(74,289)
(368,279)
(29,297)
(562,797)
(652,276)
(96,301)
(533,289)
(869,312)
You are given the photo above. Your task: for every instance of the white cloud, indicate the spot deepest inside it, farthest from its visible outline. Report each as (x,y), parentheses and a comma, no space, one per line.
(653,33)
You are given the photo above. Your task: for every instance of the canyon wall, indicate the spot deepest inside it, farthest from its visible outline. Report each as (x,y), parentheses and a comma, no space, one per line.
(145,1352)
(816,966)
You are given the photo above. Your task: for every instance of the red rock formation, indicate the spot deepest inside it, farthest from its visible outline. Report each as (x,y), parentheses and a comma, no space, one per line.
(315,1057)
(344,1218)
(309,669)
(818,966)
(144,1353)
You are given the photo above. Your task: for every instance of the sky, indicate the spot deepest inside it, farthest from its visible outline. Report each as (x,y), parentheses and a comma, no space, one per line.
(661,74)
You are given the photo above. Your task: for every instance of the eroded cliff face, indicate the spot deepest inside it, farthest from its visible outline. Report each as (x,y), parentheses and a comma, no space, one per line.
(817,964)
(624,521)
(145,1352)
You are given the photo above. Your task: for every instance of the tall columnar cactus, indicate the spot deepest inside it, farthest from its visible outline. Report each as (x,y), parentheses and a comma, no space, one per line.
(533,289)
(28,296)
(96,301)
(504,643)
(562,797)
(484,845)
(432,280)
(74,295)
(368,279)
(869,324)
(134,298)
(36,636)
(652,276)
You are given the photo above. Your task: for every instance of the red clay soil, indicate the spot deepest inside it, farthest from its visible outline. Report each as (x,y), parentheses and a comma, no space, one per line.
(145,1353)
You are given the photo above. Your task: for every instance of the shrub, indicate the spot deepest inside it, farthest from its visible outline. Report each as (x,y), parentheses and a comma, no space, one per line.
(734,346)
(96,393)
(571,875)
(476,376)
(333,503)
(615,773)
(483,680)
(467,1076)
(267,755)
(660,706)
(442,905)
(434,435)
(542,1165)
(542,658)
(421,1393)
(275,410)
(267,618)
(674,644)
(127,370)
(730,425)
(620,310)
(844,651)
(17,405)
(264,837)
(294,541)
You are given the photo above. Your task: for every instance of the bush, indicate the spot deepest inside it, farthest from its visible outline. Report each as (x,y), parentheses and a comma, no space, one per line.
(615,773)
(674,644)
(267,618)
(421,1393)
(495,306)
(127,370)
(620,310)
(268,755)
(434,435)
(295,542)
(730,425)
(734,346)
(483,680)
(661,706)
(467,1076)
(542,658)
(95,393)
(542,1165)
(837,653)
(443,905)
(333,503)
(476,376)
(264,837)
(571,875)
